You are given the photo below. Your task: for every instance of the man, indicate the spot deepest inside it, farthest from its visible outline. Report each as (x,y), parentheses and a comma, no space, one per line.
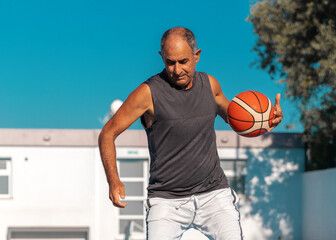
(187,187)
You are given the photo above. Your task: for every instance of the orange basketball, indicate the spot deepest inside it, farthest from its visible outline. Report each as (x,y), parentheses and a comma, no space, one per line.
(250,114)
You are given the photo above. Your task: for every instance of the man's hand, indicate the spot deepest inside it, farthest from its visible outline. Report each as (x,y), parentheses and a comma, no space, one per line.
(277,113)
(117,189)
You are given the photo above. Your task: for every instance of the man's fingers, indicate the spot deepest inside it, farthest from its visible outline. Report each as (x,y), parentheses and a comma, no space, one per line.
(122,192)
(275,123)
(117,191)
(116,200)
(277,99)
(119,204)
(270,129)
(278,114)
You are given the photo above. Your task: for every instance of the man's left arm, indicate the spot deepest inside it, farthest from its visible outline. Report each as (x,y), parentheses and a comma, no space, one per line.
(221,101)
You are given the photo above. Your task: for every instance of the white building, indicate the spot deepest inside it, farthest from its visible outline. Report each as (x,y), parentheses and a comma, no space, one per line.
(53,186)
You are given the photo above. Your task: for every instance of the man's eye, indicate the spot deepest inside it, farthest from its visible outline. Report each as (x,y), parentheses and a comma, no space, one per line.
(184,61)
(170,62)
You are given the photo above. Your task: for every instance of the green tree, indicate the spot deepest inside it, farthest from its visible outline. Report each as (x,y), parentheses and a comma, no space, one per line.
(297,45)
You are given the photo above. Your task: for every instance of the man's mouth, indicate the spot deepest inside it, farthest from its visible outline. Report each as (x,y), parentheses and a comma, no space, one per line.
(179,77)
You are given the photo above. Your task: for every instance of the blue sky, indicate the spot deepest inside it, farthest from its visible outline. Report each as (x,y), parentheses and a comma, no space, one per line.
(62,63)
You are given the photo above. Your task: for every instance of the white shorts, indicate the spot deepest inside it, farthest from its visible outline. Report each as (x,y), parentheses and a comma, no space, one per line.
(215,214)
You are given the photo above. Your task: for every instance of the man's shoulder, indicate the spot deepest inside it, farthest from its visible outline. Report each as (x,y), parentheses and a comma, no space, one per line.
(201,74)
(155,79)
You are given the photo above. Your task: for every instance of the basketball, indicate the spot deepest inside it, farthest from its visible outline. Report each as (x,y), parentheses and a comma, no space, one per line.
(250,114)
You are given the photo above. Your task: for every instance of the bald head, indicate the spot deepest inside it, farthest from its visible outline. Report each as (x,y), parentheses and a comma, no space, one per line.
(180,54)
(184,33)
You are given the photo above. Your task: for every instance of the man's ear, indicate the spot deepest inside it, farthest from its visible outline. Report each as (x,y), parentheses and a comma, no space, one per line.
(162,56)
(197,55)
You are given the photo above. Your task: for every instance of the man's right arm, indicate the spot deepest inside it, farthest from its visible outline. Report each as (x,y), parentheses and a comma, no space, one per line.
(137,103)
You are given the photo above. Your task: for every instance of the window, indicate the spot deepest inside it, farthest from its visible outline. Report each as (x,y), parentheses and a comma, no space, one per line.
(48,234)
(134,174)
(5,177)
(235,172)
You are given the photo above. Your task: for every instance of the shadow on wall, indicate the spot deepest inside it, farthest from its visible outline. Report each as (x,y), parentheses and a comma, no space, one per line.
(272,209)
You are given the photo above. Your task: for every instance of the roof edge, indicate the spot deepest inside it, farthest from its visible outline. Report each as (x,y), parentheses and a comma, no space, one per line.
(134,138)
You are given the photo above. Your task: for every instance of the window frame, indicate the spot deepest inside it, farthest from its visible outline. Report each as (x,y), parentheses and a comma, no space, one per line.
(235,173)
(134,154)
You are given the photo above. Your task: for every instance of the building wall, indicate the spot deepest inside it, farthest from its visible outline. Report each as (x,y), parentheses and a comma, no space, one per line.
(58,182)
(318,205)
(52,187)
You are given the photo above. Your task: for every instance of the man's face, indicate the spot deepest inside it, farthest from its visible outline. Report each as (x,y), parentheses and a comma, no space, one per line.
(180,62)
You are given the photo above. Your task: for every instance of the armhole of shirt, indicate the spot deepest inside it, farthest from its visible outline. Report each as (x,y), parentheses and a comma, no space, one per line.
(206,76)
(149,84)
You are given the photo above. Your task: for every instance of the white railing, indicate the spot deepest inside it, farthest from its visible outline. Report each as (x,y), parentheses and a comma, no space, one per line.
(132,227)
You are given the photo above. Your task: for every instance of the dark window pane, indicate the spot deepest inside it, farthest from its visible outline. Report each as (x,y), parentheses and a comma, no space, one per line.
(133,208)
(49,235)
(131,168)
(3,164)
(4,185)
(134,188)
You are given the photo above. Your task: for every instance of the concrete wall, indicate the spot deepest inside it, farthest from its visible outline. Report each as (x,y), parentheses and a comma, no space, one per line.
(318,205)
(272,207)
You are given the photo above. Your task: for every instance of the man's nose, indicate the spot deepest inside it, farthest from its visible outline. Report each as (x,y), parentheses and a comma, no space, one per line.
(178,69)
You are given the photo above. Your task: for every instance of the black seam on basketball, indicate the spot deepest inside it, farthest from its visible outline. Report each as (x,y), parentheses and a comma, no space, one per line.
(251,132)
(251,127)
(249,121)
(246,104)
(262,115)
(244,108)
(244,121)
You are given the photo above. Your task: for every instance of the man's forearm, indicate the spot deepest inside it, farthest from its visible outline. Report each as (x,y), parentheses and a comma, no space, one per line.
(108,156)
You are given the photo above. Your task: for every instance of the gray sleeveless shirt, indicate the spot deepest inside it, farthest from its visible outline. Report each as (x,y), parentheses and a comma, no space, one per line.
(182,140)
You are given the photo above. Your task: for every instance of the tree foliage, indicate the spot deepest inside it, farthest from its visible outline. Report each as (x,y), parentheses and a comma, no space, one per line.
(297,44)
